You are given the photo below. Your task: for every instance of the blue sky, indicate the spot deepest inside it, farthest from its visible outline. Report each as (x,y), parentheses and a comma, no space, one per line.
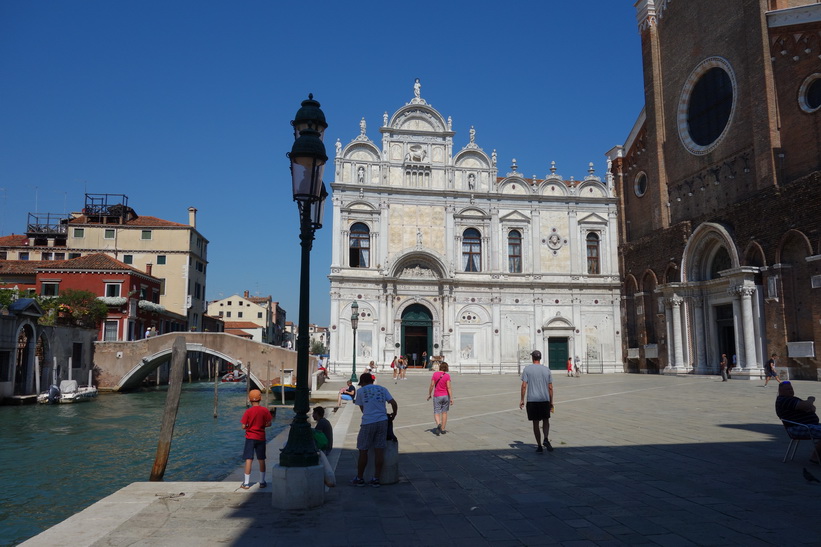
(188,103)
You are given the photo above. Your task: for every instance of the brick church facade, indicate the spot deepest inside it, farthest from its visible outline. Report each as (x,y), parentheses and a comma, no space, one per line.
(719,187)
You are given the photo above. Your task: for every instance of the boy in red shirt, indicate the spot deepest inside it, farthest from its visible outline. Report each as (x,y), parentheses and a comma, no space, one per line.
(254,421)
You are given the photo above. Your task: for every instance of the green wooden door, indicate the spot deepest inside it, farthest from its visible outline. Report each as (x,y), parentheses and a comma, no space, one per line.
(417,327)
(557,353)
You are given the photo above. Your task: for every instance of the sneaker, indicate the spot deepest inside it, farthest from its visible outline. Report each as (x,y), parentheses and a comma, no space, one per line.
(375,483)
(356,481)
(263,484)
(548,446)
(245,486)
(442,431)
(539,448)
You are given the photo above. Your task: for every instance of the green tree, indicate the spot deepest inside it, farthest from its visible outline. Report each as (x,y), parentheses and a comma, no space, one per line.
(78,309)
(317,347)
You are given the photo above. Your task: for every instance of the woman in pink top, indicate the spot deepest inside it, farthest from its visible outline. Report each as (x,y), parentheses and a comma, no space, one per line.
(442,397)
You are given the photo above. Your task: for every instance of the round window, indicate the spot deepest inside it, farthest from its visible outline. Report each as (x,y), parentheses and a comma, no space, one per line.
(706,105)
(640,186)
(809,95)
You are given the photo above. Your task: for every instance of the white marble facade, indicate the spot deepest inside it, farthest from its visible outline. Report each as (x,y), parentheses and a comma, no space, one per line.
(443,255)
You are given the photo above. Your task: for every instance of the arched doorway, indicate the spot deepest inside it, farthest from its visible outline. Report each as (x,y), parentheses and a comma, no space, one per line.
(417,327)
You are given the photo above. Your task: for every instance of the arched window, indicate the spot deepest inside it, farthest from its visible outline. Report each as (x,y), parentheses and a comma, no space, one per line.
(593,254)
(471,250)
(514,251)
(360,246)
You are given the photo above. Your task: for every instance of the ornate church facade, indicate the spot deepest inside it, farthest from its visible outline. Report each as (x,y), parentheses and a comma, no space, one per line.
(442,256)
(719,184)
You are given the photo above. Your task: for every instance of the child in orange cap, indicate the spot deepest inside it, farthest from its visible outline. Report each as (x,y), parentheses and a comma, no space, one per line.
(254,421)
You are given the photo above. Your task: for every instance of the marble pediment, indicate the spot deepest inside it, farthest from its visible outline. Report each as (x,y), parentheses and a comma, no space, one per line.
(592,218)
(514,216)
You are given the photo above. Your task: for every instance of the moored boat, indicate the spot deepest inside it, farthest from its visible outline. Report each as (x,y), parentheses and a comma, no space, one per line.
(235,376)
(288,389)
(68,392)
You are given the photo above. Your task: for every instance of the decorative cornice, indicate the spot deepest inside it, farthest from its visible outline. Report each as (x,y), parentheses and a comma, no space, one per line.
(649,12)
(794,16)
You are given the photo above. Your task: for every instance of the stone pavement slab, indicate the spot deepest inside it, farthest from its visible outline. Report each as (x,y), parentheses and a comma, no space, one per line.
(639,459)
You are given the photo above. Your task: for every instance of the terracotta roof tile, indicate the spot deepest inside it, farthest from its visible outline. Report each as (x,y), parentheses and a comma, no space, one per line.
(21,267)
(14,240)
(139,221)
(97,261)
(237,332)
(241,325)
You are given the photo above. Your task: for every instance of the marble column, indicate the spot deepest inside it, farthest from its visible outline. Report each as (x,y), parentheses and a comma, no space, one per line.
(678,353)
(338,239)
(578,260)
(746,294)
(534,261)
(700,335)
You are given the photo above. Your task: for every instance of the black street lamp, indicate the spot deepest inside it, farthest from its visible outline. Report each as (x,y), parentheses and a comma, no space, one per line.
(354,324)
(308,159)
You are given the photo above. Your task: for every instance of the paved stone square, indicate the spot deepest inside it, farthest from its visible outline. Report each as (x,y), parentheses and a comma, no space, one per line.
(639,459)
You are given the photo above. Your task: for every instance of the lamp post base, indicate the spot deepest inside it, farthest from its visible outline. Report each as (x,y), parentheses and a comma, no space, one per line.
(298,487)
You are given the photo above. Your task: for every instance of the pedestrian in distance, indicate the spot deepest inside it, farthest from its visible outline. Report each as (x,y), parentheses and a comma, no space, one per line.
(373,430)
(770,371)
(570,366)
(254,421)
(723,366)
(537,389)
(395,368)
(346,393)
(442,393)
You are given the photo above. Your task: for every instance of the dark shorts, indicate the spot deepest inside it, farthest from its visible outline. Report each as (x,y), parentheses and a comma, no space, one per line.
(771,373)
(253,446)
(372,436)
(538,411)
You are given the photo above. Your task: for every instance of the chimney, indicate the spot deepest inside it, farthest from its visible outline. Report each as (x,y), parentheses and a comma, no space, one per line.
(246,294)
(192,217)
(148,268)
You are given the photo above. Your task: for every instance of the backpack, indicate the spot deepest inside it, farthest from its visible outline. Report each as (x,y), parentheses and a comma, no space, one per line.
(320,440)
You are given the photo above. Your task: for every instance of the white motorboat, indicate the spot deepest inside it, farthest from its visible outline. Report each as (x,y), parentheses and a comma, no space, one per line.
(68,392)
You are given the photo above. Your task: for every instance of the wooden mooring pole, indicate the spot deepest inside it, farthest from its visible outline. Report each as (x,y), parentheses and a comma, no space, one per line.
(216,385)
(172,405)
(248,384)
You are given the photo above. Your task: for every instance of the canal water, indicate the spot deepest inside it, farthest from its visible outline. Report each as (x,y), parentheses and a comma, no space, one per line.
(56,460)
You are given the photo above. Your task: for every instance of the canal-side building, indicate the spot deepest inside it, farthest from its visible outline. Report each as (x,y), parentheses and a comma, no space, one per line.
(178,253)
(132,296)
(719,186)
(32,356)
(446,257)
(247,316)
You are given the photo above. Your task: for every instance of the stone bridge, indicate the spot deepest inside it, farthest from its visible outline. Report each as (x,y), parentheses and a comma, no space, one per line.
(121,366)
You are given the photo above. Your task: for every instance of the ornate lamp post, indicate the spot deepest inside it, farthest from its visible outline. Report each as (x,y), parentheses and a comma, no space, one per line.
(354,324)
(308,159)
